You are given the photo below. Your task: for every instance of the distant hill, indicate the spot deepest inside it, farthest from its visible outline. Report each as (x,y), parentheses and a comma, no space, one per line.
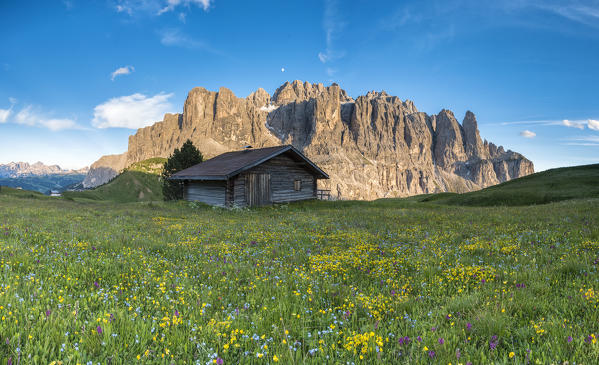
(139,182)
(21,193)
(43,183)
(21,169)
(553,185)
(39,177)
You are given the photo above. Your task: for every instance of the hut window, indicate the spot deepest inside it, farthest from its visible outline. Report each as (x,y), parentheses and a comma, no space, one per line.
(297,185)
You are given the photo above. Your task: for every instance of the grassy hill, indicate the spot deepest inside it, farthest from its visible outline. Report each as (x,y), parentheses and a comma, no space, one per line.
(139,182)
(21,193)
(553,185)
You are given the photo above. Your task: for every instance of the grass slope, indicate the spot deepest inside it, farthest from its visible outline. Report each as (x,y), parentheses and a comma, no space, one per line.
(130,186)
(19,193)
(139,182)
(553,185)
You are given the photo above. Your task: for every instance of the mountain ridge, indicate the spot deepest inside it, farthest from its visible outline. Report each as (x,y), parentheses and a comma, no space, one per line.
(21,169)
(373,146)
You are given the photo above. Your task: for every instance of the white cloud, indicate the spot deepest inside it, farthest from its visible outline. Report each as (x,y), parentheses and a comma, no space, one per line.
(30,117)
(333,26)
(158,7)
(5,113)
(528,134)
(132,111)
(593,124)
(172,4)
(126,70)
(571,124)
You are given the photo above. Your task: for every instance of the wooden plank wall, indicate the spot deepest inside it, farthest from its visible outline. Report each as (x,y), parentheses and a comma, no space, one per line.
(239,191)
(209,192)
(283,171)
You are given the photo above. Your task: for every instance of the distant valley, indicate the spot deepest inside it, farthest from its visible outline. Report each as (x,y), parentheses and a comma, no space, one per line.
(40,177)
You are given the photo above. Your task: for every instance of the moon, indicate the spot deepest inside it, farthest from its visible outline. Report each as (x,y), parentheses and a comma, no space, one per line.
(282,69)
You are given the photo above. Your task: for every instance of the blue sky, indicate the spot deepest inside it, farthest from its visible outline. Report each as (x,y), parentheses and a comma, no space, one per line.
(78,77)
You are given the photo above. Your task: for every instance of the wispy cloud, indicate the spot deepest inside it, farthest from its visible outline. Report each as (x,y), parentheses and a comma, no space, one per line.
(33,117)
(593,124)
(528,134)
(5,113)
(30,115)
(587,139)
(333,26)
(590,141)
(132,111)
(578,124)
(158,7)
(571,124)
(172,4)
(173,37)
(581,11)
(126,70)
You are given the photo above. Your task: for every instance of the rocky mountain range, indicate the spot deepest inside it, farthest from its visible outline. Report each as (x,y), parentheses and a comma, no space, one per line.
(22,169)
(372,147)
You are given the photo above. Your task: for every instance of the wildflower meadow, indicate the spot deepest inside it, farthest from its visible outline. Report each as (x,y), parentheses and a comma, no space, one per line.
(391,281)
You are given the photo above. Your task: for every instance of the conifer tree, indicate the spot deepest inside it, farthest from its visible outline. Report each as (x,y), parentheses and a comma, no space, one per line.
(181,159)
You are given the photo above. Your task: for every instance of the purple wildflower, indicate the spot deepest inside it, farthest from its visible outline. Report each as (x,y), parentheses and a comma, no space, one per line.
(458,354)
(570,339)
(493,342)
(441,341)
(433,329)
(99,330)
(431,354)
(468,326)
(9,361)
(96,284)
(419,339)
(404,340)
(176,313)
(220,361)
(48,312)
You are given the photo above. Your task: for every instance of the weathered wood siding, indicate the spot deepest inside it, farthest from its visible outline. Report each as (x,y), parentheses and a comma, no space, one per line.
(283,172)
(209,192)
(239,191)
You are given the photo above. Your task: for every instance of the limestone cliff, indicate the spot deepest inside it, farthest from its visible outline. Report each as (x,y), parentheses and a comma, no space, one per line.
(372,147)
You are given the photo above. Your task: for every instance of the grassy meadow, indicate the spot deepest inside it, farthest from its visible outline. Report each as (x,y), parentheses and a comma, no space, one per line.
(391,281)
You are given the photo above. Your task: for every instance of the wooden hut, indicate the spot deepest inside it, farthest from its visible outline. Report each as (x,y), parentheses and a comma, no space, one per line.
(251,177)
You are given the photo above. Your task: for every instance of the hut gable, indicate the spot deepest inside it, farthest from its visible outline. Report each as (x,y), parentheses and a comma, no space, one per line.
(252,177)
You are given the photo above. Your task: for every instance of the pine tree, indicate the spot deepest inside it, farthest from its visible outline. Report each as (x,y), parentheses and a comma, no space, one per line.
(181,159)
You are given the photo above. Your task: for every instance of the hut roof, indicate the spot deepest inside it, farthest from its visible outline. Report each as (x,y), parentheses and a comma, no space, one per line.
(227,165)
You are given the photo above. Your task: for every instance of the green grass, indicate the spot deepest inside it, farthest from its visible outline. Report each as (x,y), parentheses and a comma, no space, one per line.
(149,166)
(312,282)
(138,183)
(19,193)
(129,186)
(553,185)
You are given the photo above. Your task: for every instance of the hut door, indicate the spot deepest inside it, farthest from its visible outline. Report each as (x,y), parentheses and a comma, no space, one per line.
(257,190)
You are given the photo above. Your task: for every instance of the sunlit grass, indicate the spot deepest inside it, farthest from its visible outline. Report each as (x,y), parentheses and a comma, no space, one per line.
(317,282)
